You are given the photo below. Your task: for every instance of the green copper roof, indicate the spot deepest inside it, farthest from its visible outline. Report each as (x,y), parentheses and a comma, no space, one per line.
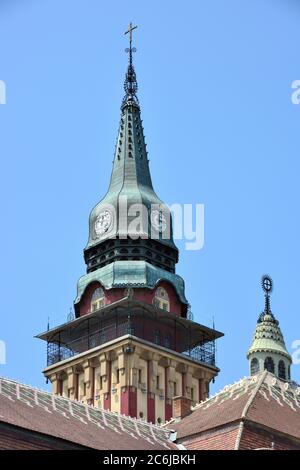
(130,274)
(268,336)
(130,177)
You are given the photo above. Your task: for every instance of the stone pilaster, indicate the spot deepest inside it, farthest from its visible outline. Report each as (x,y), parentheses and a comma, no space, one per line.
(56,383)
(153,371)
(72,382)
(170,379)
(88,380)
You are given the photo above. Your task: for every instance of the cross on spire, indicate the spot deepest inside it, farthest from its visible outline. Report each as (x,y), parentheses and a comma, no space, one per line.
(130,83)
(129,31)
(267,285)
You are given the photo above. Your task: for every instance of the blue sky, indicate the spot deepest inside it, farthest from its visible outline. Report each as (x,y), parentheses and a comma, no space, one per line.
(215,89)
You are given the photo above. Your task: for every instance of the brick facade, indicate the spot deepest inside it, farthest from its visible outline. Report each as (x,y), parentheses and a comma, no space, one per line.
(255,438)
(14,438)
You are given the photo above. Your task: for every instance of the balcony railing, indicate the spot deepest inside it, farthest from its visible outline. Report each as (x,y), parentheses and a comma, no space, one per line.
(57,352)
(162,329)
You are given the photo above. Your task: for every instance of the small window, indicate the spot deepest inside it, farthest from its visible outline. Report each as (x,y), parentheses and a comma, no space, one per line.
(175,389)
(157,337)
(118,375)
(269,365)
(192,394)
(254,366)
(161,299)
(281,370)
(140,376)
(97,301)
(157,381)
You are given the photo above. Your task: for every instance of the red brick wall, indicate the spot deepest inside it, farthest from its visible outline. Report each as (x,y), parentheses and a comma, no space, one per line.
(181,406)
(84,306)
(254,438)
(223,439)
(144,295)
(14,438)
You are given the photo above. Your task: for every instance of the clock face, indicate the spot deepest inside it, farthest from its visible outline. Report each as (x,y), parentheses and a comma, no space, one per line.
(103,222)
(158,220)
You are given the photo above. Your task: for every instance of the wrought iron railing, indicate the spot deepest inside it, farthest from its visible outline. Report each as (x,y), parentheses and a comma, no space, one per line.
(170,332)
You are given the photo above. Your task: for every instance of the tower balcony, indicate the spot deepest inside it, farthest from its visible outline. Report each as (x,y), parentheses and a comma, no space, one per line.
(129,317)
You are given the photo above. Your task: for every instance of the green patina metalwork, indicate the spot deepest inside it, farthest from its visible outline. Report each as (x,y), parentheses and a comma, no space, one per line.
(268,337)
(130,179)
(130,274)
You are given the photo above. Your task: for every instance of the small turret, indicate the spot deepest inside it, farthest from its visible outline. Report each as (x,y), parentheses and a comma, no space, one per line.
(268,350)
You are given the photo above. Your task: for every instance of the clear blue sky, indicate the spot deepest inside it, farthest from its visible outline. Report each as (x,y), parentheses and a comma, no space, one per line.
(215,89)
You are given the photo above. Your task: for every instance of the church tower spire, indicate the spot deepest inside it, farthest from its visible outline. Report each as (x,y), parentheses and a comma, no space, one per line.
(131,213)
(268,350)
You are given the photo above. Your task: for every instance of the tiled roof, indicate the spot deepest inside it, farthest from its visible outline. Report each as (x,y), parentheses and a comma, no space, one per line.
(263,399)
(268,336)
(63,418)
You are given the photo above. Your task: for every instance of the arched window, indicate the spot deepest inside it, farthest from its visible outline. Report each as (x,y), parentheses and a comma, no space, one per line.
(254,366)
(97,301)
(281,370)
(161,299)
(157,337)
(269,364)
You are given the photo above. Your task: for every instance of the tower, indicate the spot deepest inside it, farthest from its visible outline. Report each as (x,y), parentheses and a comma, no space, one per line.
(131,347)
(268,350)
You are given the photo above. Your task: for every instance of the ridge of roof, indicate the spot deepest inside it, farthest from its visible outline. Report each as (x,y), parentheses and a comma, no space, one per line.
(247,406)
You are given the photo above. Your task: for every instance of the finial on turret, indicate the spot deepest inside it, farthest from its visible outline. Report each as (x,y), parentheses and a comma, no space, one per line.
(267,285)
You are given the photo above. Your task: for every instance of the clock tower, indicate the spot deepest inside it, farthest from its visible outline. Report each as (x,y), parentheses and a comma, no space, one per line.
(132,346)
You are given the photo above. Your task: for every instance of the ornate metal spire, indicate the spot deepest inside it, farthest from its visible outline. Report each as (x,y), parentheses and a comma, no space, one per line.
(267,285)
(130,83)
